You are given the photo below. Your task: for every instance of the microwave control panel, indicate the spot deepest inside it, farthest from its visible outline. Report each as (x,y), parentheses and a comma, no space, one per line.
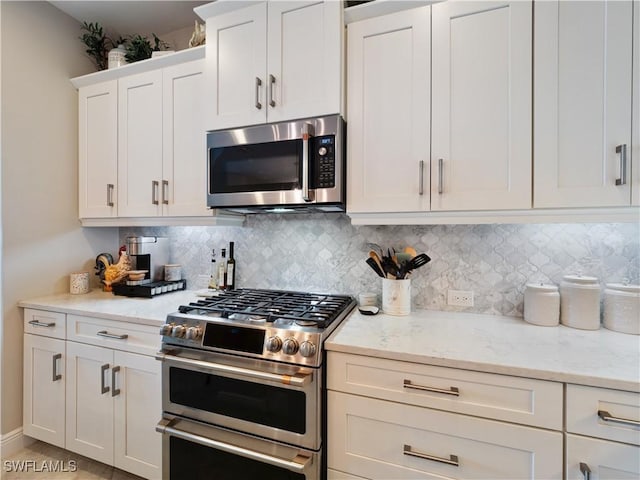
(324,162)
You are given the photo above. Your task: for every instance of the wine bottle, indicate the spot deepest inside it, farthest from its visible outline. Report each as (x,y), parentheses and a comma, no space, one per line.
(231,269)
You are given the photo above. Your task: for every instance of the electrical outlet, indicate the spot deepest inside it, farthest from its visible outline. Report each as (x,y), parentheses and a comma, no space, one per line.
(460,298)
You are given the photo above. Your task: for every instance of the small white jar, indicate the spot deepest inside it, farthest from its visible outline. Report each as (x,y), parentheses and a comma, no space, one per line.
(580,302)
(622,308)
(542,304)
(117,57)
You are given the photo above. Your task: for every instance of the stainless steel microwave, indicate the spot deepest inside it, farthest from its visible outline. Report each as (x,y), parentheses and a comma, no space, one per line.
(278,167)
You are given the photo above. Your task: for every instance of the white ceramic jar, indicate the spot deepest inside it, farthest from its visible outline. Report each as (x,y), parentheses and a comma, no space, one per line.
(580,302)
(117,57)
(542,304)
(622,308)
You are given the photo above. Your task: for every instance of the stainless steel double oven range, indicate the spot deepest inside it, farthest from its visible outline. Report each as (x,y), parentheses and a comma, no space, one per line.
(243,385)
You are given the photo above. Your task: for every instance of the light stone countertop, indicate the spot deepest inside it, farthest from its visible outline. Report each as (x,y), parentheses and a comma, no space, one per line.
(145,311)
(495,344)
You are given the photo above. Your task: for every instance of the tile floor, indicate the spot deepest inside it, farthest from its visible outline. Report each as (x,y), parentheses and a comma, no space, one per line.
(41,461)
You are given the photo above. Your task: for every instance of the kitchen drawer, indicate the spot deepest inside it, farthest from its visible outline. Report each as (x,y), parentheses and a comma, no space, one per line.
(377,439)
(605,459)
(584,403)
(129,337)
(336,475)
(42,322)
(501,397)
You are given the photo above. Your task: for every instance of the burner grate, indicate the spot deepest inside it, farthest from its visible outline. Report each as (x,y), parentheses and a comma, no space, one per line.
(307,308)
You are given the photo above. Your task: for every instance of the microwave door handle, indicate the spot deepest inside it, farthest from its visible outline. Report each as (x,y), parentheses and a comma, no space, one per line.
(307,133)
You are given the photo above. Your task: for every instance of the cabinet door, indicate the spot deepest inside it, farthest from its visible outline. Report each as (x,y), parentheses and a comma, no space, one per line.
(481,112)
(89,425)
(388,105)
(236,59)
(140,144)
(304,59)
(605,460)
(635,139)
(44,389)
(583,87)
(137,409)
(184,182)
(98,150)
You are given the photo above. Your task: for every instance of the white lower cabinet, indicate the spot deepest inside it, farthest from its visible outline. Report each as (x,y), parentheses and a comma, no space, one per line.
(97,393)
(595,459)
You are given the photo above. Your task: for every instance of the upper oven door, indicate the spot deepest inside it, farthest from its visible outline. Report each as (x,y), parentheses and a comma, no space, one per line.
(276,164)
(275,401)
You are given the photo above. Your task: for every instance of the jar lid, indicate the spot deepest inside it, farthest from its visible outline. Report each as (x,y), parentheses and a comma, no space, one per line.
(623,287)
(580,279)
(541,287)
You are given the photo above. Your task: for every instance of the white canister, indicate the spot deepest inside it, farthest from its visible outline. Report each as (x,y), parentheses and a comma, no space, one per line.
(173,272)
(396,296)
(542,304)
(79,283)
(117,57)
(368,299)
(622,308)
(580,302)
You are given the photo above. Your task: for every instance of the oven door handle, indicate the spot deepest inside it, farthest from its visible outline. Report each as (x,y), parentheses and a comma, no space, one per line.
(299,464)
(297,380)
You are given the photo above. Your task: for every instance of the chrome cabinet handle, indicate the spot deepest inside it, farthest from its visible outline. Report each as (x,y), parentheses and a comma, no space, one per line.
(300,466)
(296,380)
(55,375)
(440,175)
(114,391)
(258,84)
(452,460)
(307,133)
(452,390)
(421,178)
(37,323)
(110,188)
(272,81)
(622,151)
(103,387)
(585,470)
(607,417)
(154,192)
(165,192)
(106,334)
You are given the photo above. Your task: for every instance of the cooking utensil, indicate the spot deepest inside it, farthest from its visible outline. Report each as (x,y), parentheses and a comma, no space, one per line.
(375,267)
(411,251)
(418,261)
(376,259)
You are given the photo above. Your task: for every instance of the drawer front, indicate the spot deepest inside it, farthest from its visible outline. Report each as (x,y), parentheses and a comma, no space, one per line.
(604,413)
(47,324)
(129,337)
(501,397)
(336,475)
(377,439)
(602,459)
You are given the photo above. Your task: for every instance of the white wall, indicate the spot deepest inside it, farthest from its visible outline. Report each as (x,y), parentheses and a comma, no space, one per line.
(42,239)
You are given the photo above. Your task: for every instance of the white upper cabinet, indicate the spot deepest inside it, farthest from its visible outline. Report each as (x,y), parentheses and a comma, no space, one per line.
(98,149)
(583,103)
(273,61)
(388,106)
(481,105)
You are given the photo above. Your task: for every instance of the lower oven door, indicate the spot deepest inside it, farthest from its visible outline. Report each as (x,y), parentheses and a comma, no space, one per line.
(263,398)
(197,451)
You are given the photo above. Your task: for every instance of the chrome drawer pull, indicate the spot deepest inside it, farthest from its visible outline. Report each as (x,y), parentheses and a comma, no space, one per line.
(453,459)
(452,390)
(106,334)
(421,177)
(258,105)
(272,81)
(154,192)
(622,151)
(607,417)
(36,323)
(585,470)
(55,375)
(440,175)
(110,188)
(103,387)
(114,391)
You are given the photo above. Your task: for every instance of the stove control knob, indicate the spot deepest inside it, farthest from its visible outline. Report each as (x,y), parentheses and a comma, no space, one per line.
(290,346)
(166,328)
(193,333)
(178,331)
(274,344)
(307,349)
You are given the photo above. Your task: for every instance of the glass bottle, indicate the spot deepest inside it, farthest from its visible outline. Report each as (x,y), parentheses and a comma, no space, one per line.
(231,269)
(222,270)
(213,279)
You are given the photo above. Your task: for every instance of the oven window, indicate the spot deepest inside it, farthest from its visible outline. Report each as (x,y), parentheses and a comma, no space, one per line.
(258,167)
(196,462)
(256,403)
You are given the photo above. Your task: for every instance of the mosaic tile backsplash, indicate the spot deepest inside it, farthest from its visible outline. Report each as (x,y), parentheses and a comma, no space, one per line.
(325,253)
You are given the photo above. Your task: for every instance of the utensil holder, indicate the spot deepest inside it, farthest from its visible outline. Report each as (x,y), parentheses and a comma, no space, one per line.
(396,296)
(79,283)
